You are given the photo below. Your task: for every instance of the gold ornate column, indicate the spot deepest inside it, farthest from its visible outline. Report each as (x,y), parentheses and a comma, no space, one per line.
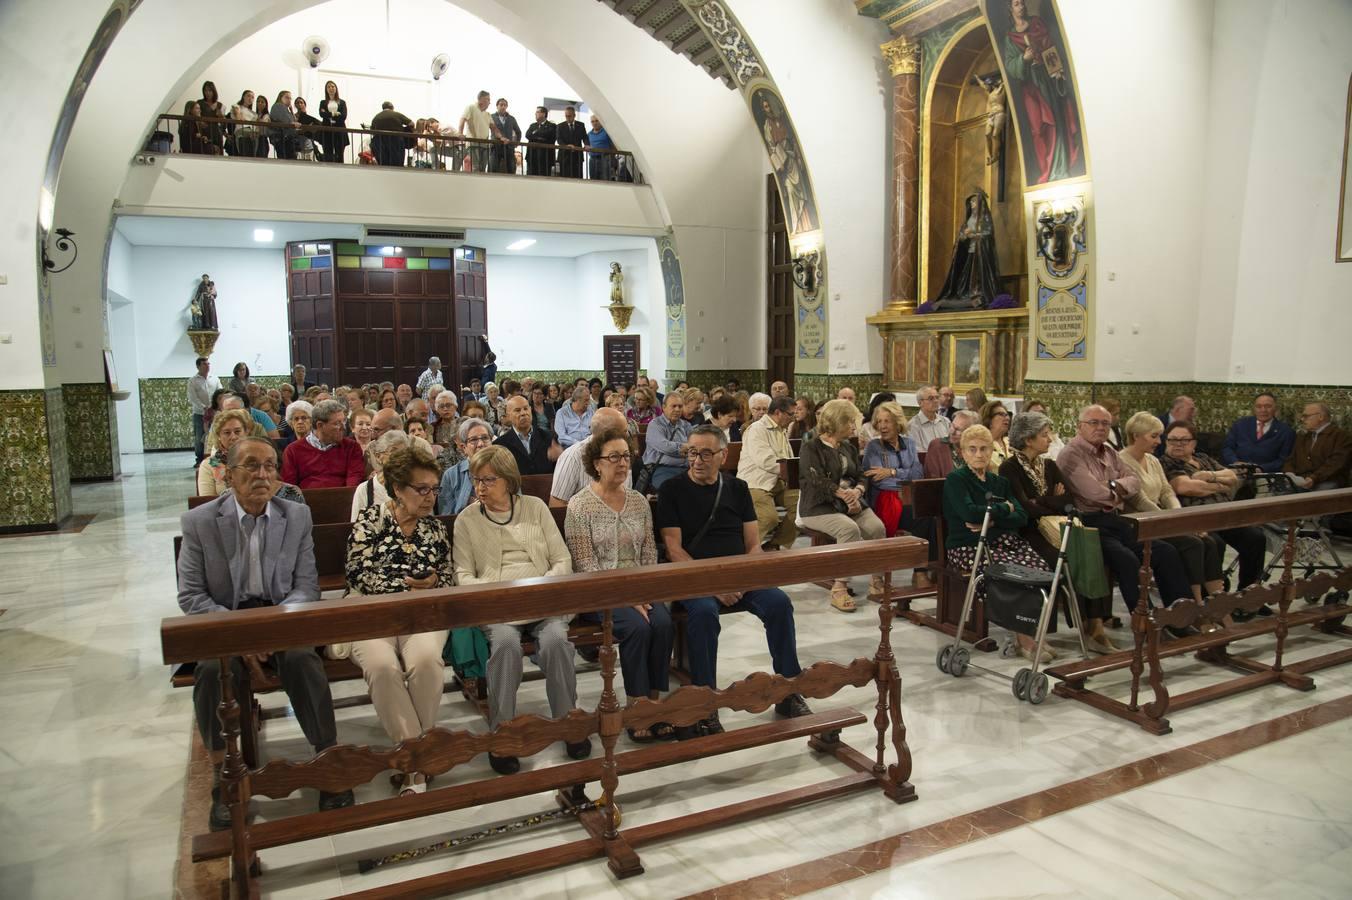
(903,57)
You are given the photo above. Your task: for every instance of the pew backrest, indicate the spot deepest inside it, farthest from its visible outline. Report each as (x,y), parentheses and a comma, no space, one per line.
(327,505)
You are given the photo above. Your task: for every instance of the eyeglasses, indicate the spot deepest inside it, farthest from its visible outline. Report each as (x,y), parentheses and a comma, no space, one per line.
(253,468)
(480,439)
(486,482)
(1097,423)
(425,490)
(703,455)
(616,458)
(1003,412)
(1180,440)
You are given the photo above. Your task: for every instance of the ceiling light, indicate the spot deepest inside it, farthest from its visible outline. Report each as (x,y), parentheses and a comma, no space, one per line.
(386,251)
(263,235)
(521,244)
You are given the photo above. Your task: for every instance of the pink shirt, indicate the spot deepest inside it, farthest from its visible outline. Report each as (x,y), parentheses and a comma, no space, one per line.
(1087,469)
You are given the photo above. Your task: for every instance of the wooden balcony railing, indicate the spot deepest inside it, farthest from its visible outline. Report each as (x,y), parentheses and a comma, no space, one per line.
(399,149)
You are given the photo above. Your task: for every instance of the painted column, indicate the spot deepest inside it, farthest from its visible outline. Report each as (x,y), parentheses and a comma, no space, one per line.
(903,57)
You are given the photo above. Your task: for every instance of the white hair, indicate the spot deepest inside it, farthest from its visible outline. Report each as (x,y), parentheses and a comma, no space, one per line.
(296,406)
(758,397)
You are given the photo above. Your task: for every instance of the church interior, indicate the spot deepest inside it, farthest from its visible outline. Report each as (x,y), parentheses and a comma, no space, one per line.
(854,245)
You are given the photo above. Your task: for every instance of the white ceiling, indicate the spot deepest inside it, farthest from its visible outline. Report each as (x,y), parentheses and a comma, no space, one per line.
(168,231)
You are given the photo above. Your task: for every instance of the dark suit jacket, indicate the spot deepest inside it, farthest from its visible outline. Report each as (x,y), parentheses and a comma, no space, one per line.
(1326,461)
(537,462)
(1269,454)
(211,564)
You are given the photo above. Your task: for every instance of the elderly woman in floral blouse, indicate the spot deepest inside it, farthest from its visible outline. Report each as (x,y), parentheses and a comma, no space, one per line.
(609,526)
(398,546)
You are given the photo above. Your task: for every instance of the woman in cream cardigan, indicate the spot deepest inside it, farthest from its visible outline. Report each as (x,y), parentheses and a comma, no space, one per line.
(503,536)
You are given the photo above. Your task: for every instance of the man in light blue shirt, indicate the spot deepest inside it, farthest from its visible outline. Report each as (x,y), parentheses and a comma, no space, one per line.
(573,423)
(665,440)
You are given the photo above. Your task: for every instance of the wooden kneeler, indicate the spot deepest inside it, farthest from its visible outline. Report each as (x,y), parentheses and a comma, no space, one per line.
(440,750)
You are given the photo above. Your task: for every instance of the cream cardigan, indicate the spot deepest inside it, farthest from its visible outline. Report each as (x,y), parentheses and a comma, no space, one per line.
(1155,493)
(477,547)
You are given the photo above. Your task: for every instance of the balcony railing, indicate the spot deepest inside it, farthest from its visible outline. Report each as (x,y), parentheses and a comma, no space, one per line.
(311,144)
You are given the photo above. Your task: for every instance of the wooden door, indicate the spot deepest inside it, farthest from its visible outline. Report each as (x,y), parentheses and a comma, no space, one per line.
(471,313)
(620,352)
(780,332)
(392,320)
(310,315)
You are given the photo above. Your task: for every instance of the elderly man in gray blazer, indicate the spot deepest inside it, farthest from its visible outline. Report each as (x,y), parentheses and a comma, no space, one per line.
(245,550)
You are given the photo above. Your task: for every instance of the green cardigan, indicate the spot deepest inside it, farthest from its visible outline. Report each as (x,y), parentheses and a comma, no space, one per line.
(965,501)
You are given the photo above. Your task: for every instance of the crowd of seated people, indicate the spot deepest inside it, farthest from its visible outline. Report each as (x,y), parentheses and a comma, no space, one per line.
(412,452)
(483,141)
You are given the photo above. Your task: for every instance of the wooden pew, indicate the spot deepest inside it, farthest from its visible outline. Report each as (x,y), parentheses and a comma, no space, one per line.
(1147,623)
(226,635)
(732,457)
(327,505)
(537,486)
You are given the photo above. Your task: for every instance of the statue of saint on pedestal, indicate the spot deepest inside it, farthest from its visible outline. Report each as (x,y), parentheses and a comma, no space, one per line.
(616,285)
(203,305)
(974,277)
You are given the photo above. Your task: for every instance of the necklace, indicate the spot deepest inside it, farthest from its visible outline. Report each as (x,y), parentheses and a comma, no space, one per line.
(510,514)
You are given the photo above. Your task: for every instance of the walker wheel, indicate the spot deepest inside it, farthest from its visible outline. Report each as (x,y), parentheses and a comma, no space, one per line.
(1037,689)
(1020,686)
(957,666)
(945,652)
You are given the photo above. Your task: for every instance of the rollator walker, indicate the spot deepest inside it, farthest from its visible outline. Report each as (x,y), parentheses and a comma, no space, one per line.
(1313,543)
(1018,599)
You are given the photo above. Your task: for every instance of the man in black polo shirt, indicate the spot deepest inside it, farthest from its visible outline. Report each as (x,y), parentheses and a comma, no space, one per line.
(689,531)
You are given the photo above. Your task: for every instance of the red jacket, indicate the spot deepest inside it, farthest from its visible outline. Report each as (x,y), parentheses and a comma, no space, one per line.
(308,467)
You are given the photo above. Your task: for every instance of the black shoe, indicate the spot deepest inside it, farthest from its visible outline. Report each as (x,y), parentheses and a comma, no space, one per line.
(590,654)
(687,732)
(792,706)
(1185,631)
(504,765)
(340,800)
(711,725)
(1240,615)
(1263,611)
(580,750)
(219,820)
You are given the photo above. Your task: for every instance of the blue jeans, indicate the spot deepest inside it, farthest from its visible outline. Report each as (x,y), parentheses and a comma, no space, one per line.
(665,473)
(771,605)
(645,647)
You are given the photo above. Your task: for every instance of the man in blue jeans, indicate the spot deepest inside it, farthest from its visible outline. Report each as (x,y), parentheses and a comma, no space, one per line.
(706,514)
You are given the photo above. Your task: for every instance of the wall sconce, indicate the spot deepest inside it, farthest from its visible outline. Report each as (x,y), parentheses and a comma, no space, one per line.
(66,244)
(806,273)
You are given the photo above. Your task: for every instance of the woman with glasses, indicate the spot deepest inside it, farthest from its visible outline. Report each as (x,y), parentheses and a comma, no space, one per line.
(610,526)
(399,545)
(1199,480)
(996,419)
(503,536)
(227,428)
(473,435)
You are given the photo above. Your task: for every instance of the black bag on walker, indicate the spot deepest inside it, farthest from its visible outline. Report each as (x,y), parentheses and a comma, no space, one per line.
(1014,596)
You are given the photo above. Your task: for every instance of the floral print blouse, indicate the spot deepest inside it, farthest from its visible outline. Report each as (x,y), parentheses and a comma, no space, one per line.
(600,538)
(380,555)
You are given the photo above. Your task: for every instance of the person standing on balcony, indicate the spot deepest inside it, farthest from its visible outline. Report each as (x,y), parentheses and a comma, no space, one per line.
(571,134)
(261,115)
(285,140)
(508,135)
(390,149)
(540,161)
(333,112)
(601,164)
(476,123)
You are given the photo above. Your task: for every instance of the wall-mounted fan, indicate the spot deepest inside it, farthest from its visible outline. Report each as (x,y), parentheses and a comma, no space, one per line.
(440,63)
(315,49)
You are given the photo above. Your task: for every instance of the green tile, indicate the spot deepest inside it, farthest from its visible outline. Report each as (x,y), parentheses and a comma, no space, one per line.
(346,248)
(416,263)
(302,262)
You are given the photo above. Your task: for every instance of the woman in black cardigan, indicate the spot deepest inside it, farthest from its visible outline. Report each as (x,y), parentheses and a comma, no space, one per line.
(1036,483)
(333,111)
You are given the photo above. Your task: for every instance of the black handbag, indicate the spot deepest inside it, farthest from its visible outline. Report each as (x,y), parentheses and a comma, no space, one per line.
(1014,596)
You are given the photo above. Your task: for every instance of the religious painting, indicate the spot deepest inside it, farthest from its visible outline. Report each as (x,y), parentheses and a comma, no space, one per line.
(966,361)
(675,296)
(786,158)
(1344,246)
(1031,46)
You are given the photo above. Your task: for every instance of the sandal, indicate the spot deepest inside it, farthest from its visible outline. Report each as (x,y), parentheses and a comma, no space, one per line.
(663,731)
(641,735)
(412,788)
(840,599)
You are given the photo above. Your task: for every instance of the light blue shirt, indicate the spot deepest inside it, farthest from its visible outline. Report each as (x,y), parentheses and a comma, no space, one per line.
(456,488)
(572,428)
(663,441)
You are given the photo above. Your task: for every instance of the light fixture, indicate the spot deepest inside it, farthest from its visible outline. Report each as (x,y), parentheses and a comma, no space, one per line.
(806,272)
(386,251)
(521,244)
(66,244)
(263,235)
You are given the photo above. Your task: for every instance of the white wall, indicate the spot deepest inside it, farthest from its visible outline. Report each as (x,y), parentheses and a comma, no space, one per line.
(826,63)
(1274,306)
(371,64)
(547,312)
(1145,120)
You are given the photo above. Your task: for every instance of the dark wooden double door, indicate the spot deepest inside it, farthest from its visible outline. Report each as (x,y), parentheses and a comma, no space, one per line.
(383,324)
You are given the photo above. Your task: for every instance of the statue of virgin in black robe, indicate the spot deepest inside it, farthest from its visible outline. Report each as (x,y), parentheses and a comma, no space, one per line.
(974,277)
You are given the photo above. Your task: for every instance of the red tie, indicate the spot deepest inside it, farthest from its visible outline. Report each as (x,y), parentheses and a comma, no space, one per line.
(1260,431)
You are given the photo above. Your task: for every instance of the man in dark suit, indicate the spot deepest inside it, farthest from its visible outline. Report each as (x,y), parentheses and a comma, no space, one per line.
(1184,409)
(946,399)
(539,160)
(534,448)
(244,550)
(1322,452)
(1261,439)
(571,133)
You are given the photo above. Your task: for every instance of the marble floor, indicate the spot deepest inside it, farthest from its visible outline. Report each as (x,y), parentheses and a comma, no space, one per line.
(94,744)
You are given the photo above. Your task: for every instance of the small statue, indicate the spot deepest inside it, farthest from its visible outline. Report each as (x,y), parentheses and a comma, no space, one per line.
(203,305)
(996,111)
(616,285)
(973,280)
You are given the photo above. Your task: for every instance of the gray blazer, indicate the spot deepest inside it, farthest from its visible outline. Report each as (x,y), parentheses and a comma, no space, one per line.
(209,566)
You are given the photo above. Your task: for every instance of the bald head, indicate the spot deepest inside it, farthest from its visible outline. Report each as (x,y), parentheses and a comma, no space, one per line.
(608,418)
(383,421)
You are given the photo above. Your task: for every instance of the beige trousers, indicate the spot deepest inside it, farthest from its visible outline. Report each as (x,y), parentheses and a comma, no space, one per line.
(405,675)
(845,529)
(767,517)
